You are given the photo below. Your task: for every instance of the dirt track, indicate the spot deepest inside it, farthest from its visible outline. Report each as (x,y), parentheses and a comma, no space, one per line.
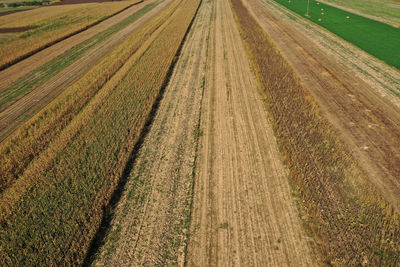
(243,210)
(27,106)
(368,121)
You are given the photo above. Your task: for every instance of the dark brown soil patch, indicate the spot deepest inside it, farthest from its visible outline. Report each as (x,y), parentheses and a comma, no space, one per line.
(17,29)
(13,11)
(72,2)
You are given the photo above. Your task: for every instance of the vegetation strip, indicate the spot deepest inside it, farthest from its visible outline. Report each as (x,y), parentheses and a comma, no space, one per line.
(350,222)
(376,38)
(56,221)
(28,142)
(33,79)
(5,63)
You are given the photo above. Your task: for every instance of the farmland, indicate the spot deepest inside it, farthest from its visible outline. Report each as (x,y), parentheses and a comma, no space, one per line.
(49,25)
(377,38)
(198,133)
(387,11)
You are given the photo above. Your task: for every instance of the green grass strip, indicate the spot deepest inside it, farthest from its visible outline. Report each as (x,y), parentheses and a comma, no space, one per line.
(376,38)
(37,77)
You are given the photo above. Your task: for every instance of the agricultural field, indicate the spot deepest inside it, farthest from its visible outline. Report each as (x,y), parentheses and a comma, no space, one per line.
(379,39)
(387,11)
(200,133)
(35,29)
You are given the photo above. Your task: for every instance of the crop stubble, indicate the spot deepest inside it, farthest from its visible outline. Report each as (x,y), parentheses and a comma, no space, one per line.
(351,223)
(369,123)
(151,220)
(243,210)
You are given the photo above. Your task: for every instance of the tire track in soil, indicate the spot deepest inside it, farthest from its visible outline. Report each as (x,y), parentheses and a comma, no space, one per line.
(243,211)
(368,122)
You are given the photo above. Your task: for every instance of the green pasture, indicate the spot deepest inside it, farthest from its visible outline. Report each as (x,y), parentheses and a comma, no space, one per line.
(376,38)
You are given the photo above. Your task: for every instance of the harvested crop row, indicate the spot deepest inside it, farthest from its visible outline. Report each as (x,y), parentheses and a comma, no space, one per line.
(351,223)
(55,222)
(51,24)
(33,79)
(17,152)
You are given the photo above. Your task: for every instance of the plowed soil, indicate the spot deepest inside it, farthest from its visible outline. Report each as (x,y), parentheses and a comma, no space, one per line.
(368,119)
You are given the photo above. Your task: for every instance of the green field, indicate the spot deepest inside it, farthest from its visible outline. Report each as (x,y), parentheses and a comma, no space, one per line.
(376,38)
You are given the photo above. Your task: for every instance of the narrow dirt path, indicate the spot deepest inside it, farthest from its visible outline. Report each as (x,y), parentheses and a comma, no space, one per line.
(25,107)
(243,210)
(368,121)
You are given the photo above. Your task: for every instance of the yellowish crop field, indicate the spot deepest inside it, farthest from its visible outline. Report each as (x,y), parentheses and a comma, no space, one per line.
(50,24)
(195,133)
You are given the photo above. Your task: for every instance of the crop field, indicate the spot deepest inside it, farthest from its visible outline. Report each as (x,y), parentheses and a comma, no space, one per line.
(387,11)
(50,24)
(377,38)
(198,133)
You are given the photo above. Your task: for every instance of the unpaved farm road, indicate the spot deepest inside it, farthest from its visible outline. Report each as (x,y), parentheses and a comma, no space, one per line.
(368,121)
(211,129)
(25,107)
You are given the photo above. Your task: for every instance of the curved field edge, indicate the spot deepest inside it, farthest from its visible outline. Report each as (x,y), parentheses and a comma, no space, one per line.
(23,51)
(56,220)
(344,213)
(33,137)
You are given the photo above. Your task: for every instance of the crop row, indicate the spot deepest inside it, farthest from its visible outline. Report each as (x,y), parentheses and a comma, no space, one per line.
(49,25)
(37,77)
(349,221)
(54,218)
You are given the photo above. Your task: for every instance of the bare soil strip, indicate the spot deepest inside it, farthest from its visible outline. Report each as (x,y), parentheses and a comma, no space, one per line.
(150,220)
(18,70)
(368,121)
(27,106)
(243,211)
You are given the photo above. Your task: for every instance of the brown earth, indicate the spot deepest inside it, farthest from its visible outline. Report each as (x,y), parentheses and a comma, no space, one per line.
(74,2)
(25,107)
(368,121)
(17,29)
(11,12)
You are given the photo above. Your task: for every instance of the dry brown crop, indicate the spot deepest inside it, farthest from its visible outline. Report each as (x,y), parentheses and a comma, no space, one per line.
(350,222)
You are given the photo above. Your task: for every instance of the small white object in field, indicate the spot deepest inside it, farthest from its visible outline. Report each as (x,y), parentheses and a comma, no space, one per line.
(322,13)
(347,17)
(319,19)
(317,3)
(322,9)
